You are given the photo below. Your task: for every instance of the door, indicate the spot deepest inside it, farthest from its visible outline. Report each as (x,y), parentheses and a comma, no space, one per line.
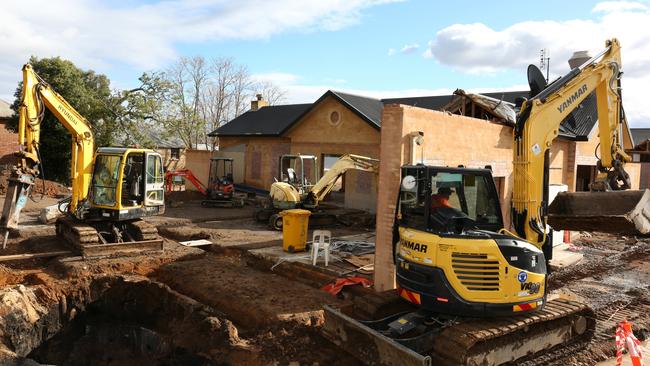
(154,190)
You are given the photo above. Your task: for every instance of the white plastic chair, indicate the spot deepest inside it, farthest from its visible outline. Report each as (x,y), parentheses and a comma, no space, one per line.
(321,240)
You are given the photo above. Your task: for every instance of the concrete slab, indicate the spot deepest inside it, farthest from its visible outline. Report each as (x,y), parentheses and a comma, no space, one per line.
(565,255)
(337,267)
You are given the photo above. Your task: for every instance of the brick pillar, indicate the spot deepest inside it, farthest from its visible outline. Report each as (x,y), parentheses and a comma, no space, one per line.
(391,153)
(571,166)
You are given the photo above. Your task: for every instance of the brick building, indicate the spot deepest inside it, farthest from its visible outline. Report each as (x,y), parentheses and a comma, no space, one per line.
(8,138)
(341,123)
(640,153)
(334,125)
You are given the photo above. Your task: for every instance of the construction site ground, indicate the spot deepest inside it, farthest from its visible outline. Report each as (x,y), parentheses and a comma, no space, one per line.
(241,300)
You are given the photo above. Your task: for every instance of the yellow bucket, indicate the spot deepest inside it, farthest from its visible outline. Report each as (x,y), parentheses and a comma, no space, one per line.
(294,230)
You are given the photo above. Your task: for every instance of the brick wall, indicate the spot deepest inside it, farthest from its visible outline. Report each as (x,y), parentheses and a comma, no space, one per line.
(449,140)
(198,161)
(172,164)
(391,158)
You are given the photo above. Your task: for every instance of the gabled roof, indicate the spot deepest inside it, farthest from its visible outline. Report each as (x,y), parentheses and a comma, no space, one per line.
(275,120)
(266,121)
(368,109)
(639,135)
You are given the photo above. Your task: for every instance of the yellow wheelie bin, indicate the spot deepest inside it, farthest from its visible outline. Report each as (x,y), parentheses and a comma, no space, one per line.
(294,230)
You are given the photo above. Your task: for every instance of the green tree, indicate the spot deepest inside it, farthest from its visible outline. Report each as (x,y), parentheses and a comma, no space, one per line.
(89,93)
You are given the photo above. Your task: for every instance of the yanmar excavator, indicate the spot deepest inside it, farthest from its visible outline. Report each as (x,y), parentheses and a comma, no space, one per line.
(299,192)
(477,292)
(112,188)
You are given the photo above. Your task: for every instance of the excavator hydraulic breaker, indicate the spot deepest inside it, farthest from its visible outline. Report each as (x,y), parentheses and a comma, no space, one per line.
(20,186)
(616,212)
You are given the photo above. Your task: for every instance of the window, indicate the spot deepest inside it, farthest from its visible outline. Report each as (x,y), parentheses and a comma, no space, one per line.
(175,153)
(105,177)
(436,201)
(132,180)
(335,118)
(154,180)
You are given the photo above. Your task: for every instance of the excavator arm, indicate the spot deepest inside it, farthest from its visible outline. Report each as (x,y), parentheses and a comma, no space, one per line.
(36,96)
(327,182)
(538,125)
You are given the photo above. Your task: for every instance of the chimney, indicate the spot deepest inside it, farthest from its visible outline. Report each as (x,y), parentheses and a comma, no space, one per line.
(258,103)
(579,58)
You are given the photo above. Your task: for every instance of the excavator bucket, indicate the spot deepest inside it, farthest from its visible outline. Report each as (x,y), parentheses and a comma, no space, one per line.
(617,212)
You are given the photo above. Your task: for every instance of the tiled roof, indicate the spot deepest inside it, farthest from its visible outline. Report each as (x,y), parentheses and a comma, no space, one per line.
(275,120)
(640,135)
(266,121)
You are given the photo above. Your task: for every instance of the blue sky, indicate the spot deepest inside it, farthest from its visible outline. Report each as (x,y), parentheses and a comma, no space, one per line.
(378,48)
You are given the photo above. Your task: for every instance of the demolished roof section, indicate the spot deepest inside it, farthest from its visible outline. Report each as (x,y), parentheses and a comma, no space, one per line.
(498,108)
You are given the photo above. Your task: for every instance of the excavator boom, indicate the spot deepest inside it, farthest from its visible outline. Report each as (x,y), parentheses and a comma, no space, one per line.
(36,96)
(538,124)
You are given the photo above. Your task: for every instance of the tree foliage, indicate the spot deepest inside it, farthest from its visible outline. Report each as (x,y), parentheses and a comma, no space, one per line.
(88,92)
(204,94)
(183,103)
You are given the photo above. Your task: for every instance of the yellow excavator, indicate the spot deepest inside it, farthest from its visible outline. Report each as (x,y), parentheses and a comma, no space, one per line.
(112,188)
(295,190)
(477,292)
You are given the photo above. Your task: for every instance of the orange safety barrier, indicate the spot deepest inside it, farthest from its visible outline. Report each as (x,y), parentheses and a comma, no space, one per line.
(337,286)
(625,339)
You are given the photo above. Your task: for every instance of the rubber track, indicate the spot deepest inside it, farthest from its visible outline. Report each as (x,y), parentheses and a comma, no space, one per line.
(142,230)
(81,235)
(457,343)
(76,232)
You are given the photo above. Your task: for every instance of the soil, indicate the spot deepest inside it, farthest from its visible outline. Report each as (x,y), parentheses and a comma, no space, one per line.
(215,306)
(48,187)
(273,298)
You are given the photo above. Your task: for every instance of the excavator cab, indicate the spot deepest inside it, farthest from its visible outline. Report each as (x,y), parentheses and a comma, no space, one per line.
(126,184)
(220,182)
(300,171)
(450,255)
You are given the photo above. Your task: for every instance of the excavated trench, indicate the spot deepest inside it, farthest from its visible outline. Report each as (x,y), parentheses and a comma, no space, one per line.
(115,320)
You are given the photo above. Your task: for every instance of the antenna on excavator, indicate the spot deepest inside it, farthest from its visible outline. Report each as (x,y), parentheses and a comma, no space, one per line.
(545,60)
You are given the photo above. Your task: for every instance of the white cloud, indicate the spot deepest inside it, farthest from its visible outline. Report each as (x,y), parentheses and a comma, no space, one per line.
(610,6)
(405,50)
(299,92)
(104,35)
(477,48)
(409,48)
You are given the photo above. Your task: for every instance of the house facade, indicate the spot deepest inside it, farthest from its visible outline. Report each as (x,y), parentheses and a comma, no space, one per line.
(341,123)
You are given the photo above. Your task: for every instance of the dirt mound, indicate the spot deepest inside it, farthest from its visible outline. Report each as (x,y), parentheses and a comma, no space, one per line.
(50,188)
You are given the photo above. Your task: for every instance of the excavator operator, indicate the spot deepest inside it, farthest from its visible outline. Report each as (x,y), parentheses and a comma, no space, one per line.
(441,199)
